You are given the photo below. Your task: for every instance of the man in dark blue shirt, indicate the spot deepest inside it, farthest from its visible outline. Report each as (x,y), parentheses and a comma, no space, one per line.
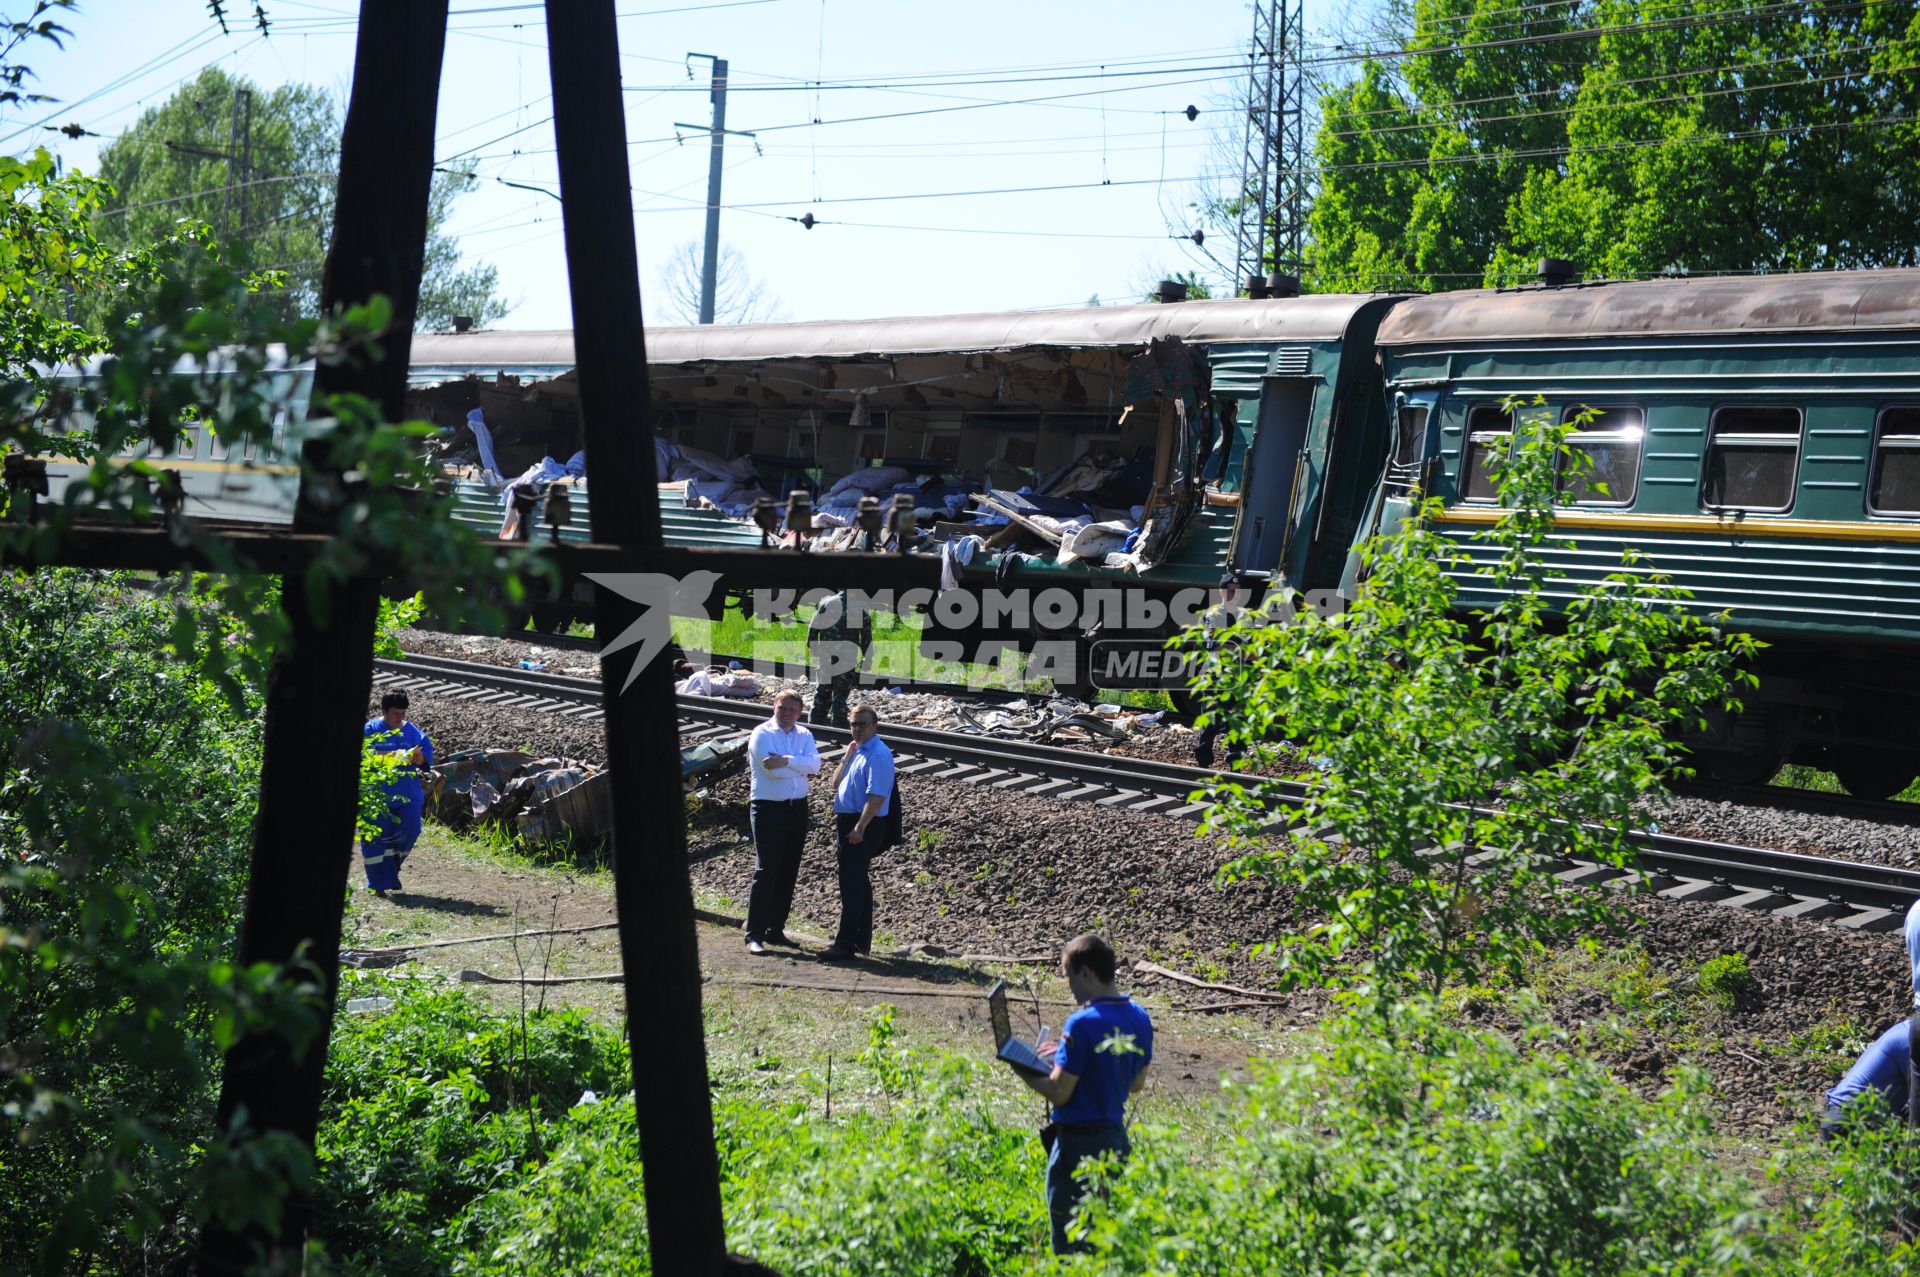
(862,793)
(1102,1058)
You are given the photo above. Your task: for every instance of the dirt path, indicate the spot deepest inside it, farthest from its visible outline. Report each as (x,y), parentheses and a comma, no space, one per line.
(453,894)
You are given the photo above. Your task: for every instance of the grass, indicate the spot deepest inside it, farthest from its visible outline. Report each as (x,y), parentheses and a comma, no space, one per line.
(1798,776)
(894,653)
(1835,1042)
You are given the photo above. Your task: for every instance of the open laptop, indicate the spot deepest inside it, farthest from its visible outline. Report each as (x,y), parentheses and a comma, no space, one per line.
(1009,1048)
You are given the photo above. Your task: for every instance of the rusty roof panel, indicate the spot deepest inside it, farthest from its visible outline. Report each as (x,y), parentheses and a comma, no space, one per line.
(1314,318)
(1821,301)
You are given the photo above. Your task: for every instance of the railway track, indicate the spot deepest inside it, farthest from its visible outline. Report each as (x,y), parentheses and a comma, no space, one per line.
(1808,888)
(1814,802)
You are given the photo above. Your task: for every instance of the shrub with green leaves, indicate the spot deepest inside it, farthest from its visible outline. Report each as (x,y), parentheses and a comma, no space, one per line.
(452,1140)
(1515,736)
(1475,1154)
(1482,1155)
(1725,980)
(125,816)
(433,1103)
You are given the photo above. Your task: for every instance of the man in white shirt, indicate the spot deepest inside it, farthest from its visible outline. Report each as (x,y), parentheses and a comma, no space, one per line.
(781,755)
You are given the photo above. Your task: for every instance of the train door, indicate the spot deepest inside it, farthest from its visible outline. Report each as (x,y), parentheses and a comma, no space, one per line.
(1392,499)
(1271,478)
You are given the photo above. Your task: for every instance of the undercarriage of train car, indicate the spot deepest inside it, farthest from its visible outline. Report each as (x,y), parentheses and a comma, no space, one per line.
(1072,468)
(1850,712)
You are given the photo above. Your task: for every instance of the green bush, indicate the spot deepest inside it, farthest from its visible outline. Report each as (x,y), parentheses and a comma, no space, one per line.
(1725,980)
(433,1103)
(1481,1156)
(1484,1155)
(127,784)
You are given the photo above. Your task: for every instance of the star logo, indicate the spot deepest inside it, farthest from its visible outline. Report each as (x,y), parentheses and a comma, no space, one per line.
(661,598)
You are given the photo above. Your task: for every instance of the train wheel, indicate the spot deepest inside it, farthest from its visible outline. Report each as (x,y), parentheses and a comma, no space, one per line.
(1873,774)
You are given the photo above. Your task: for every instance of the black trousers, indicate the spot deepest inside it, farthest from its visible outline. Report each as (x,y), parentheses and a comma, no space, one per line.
(856,889)
(779,838)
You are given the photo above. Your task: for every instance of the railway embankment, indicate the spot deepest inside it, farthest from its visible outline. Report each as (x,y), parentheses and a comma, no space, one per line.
(1772,1008)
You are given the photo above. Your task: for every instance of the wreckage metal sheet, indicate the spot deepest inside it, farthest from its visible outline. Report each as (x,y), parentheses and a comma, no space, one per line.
(1822,301)
(1315,318)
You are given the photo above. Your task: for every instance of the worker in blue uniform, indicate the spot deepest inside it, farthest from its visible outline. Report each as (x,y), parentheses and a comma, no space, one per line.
(1100,1061)
(1884,1065)
(399,825)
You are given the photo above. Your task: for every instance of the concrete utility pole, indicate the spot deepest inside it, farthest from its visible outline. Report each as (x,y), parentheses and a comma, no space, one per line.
(238,155)
(710,268)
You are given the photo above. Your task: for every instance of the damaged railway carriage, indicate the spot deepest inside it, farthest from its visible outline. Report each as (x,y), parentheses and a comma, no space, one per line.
(1151,447)
(1760,443)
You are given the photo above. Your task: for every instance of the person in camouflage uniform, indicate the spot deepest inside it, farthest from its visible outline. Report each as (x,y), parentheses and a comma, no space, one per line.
(832,638)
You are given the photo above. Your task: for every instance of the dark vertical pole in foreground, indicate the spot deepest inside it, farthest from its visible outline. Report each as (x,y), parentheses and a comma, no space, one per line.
(317,693)
(659,953)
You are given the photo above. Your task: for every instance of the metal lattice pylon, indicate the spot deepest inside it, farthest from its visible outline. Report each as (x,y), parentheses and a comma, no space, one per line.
(1273,210)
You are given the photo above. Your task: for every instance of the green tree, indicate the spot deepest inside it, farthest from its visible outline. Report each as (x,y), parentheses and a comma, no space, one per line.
(128,755)
(1678,137)
(259,166)
(1461,755)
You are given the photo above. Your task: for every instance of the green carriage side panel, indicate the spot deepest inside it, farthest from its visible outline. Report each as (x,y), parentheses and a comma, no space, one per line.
(1837,348)
(1781,585)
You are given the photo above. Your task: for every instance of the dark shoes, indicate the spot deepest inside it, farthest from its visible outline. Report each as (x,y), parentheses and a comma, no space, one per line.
(836,953)
(755,947)
(781,939)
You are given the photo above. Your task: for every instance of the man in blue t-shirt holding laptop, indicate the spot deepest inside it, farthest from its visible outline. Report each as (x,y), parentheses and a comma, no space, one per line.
(1101,1059)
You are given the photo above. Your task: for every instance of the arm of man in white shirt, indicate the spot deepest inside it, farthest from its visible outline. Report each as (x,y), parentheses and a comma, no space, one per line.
(806,756)
(762,745)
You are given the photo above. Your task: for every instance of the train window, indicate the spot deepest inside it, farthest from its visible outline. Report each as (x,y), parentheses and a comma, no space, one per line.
(742,442)
(189,439)
(1610,438)
(1018,451)
(1488,429)
(873,445)
(803,442)
(1412,436)
(1896,463)
(1753,455)
(943,445)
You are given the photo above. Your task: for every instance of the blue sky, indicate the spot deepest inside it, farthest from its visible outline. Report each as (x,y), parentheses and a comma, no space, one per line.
(1119,138)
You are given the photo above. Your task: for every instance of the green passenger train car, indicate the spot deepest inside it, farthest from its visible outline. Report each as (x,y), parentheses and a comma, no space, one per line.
(1759,439)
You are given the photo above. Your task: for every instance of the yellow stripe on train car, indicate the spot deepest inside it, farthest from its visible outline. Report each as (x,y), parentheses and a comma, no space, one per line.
(197,467)
(1738,528)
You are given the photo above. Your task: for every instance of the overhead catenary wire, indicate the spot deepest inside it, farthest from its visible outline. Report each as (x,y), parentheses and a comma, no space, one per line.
(1586,33)
(1626,104)
(1552,152)
(166,57)
(1662,77)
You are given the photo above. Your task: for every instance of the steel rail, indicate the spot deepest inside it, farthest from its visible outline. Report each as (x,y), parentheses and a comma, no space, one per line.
(1850,894)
